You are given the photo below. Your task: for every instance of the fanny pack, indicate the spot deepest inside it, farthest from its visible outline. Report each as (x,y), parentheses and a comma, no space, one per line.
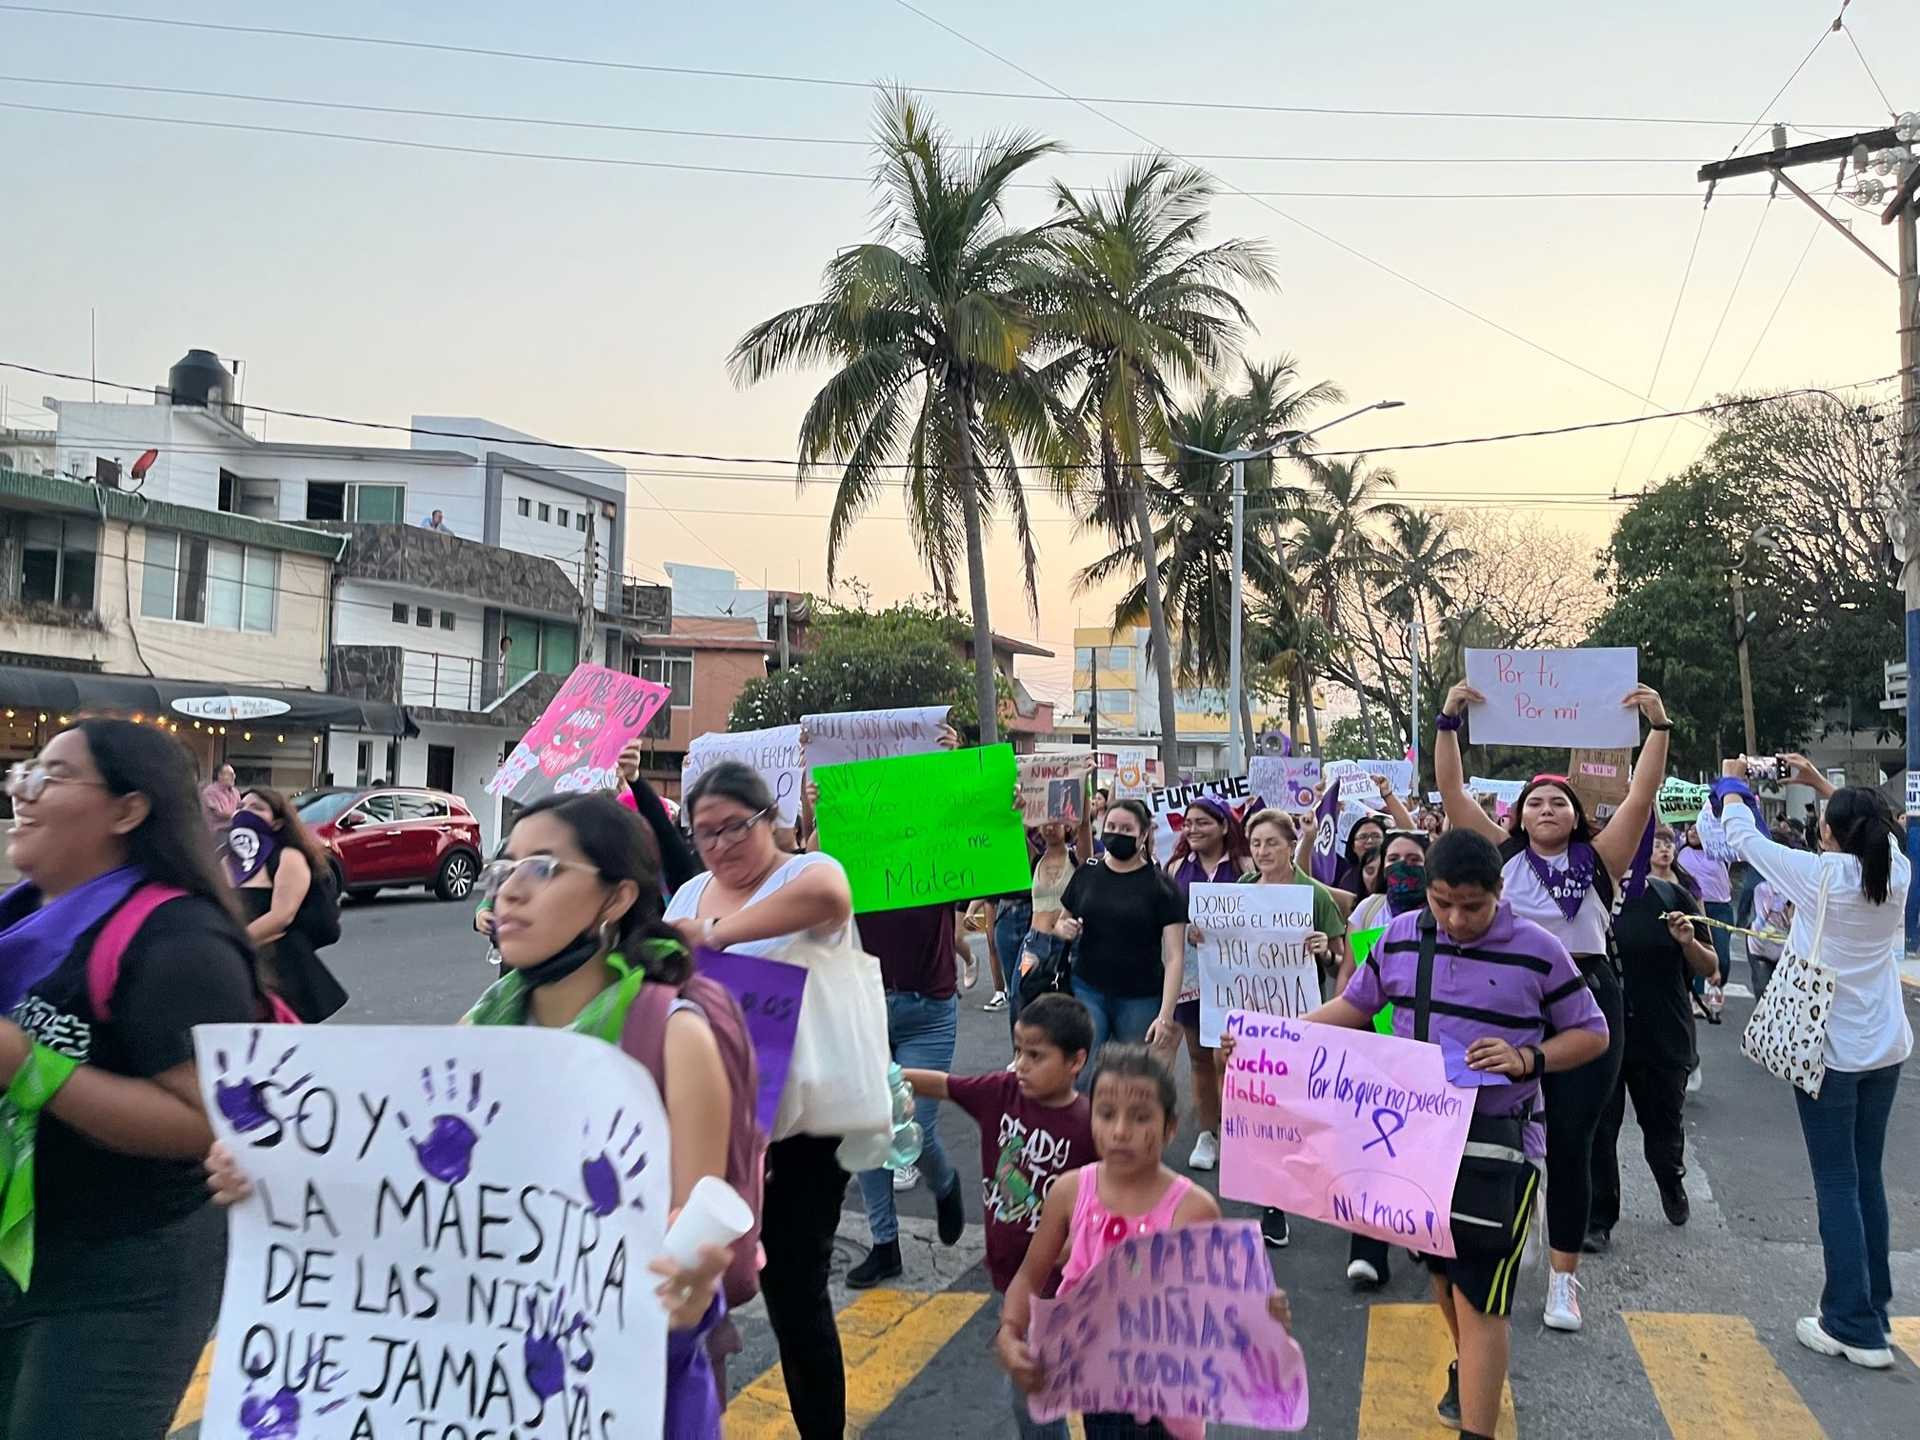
(1496,1181)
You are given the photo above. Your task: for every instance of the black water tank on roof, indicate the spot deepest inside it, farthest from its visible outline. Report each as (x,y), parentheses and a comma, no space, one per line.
(198,378)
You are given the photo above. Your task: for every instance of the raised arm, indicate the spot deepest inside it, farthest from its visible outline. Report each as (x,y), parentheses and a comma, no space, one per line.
(1449,774)
(1620,841)
(1795,874)
(1396,811)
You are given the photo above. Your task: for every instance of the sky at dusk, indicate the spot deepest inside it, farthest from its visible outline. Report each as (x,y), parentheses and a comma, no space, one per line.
(595,304)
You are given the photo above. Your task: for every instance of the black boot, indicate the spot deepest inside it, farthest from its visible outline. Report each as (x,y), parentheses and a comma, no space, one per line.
(951,1213)
(1449,1407)
(882,1263)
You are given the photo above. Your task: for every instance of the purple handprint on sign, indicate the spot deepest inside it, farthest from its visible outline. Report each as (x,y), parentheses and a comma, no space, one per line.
(277,1417)
(546,1353)
(601,1173)
(242,1099)
(1272,1404)
(445,1152)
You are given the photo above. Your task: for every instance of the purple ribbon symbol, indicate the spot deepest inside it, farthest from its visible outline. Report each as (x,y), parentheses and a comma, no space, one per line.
(1385,1136)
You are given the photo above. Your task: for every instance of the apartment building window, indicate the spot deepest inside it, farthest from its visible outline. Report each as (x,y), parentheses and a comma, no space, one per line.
(423,617)
(564,519)
(525,505)
(546,512)
(672,668)
(580,522)
(209,582)
(364,504)
(400,612)
(1190,756)
(58,559)
(242,496)
(446,619)
(1112,702)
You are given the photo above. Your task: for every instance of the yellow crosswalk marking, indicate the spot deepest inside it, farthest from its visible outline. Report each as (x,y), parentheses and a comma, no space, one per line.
(888,1337)
(1408,1350)
(193,1404)
(1716,1381)
(1906,1334)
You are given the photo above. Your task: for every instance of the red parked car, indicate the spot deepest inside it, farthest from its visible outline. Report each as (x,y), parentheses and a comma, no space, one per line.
(395,835)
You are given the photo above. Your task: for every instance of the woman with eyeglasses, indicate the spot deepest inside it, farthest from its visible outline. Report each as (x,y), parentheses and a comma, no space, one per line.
(112,1276)
(1562,876)
(756,898)
(577,920)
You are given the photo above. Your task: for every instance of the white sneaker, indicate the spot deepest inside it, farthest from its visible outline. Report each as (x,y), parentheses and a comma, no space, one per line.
(1361,1272)
(1206,1152)
(1812,1334)
(1693,1081)
(998,1002)
(906,1179)
(1563,1301)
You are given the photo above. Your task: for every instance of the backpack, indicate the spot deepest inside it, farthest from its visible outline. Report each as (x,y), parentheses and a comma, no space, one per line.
(110,948)
(644,1037)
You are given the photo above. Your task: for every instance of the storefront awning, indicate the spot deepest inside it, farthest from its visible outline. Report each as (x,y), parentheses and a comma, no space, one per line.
(70,691)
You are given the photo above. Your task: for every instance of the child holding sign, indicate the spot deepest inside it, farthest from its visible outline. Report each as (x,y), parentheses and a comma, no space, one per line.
(1128,1192)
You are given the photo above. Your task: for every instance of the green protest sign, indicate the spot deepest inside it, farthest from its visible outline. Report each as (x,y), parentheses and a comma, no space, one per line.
(925,829)
(1680,802)
(1363,942)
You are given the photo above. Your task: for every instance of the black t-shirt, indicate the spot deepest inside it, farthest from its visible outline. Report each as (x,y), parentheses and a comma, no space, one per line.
(188,965)
(1122,914)
(1656,977)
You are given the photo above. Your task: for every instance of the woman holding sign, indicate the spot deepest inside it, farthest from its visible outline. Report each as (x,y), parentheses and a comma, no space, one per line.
(1213,849)
(1563,877)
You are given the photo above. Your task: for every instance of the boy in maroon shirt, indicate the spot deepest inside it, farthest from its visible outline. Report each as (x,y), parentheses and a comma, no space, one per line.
(1034,1127)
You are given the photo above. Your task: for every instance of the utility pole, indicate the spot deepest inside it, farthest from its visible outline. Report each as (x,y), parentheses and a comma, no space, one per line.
(1886,149)
(1746,669)
(589,587)
(1414,634)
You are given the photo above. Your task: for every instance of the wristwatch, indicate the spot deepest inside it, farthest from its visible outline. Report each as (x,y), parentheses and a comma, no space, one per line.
(1539,1066)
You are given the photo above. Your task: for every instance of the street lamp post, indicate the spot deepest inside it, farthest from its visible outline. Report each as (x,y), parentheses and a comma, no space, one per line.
(1291,441)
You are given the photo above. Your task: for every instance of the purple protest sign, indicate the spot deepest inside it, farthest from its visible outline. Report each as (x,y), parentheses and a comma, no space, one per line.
(769,993)
(1173,1325)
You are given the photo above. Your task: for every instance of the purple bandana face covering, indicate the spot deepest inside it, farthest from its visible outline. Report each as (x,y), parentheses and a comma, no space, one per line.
(250,844)
(1569,887)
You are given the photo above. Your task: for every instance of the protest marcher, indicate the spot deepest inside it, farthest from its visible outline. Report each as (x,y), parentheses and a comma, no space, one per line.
(289,903)
(219,798)
(678,862)
(1271,840)
(578,924)
(1034,1127)
(1859,879)
(1211,848)
(1127,1192)
(1043,955)
(1772,914)
(1508,997)
(755,898)
(1564,878)
(1129,922)
(1714,884)
(113,1274)
(1660,953)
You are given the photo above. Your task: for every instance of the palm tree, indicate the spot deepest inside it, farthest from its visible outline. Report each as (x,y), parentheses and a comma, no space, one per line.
(928,324)
(1141,305)
(1418,561)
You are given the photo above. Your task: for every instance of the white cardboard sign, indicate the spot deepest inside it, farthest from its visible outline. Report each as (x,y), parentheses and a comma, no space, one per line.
(773,752)
(1555,698)
(1253,952)
(850,735)
(448,1225)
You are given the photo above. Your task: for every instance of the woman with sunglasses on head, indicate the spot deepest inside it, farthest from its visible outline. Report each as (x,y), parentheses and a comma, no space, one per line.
(112,1278)
(1560,875)
(577,922)
(1211,849)
(756,898)
(284,887)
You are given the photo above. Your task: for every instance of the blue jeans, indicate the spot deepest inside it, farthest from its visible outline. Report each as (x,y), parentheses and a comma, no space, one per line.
(1846,1133)
(920,1033)
(1012,919)
(1026,1426)
(1115,1017)
(1722,940)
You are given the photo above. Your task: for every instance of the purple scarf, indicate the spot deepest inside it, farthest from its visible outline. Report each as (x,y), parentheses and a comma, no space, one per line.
(1569,890)
(1326,830)
(250,845)
(35,938)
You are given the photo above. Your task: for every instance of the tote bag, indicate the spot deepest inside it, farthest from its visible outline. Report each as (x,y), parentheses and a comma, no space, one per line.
(1787,1035)
(837,1081)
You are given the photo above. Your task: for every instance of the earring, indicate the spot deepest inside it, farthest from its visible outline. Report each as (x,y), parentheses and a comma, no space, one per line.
(609,933)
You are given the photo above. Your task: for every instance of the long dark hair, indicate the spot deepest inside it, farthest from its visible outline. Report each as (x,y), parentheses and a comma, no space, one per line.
(290,828)
(1862,823)
(1139,811)
(1419,837)
(1582,833)
(613,839)
(172,846)
(1233,839)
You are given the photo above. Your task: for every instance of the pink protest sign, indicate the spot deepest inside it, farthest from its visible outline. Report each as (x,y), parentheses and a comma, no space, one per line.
(1173,1325)
(575,745)
(1359,1130)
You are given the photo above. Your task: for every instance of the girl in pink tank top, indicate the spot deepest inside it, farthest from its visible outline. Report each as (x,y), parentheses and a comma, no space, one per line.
(1127,1193)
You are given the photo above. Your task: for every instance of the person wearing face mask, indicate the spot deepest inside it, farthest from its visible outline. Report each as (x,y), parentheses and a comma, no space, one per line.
(284,887)
(576,915)
(1130,922)
(1213,849)
(1562,877)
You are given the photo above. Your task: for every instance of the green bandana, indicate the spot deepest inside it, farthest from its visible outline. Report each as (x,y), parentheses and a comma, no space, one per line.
(37,1082)
(505,1001)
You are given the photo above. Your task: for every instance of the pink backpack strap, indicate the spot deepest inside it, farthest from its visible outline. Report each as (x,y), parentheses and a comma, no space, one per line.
(110,947)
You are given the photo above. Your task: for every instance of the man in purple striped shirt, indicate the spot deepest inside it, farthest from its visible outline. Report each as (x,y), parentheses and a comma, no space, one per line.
(1506,1001)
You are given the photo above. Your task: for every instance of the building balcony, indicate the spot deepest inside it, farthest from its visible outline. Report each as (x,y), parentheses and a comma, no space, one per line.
(435,560)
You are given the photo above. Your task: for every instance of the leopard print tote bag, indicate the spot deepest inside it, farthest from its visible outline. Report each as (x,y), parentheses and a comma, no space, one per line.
(1787,1035)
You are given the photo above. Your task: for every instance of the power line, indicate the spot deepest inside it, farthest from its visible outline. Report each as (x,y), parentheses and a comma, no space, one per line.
(1666,338)
(770,77)
(1812,236)
(1794,75)
(846,142)
(1847,30)
(494,152)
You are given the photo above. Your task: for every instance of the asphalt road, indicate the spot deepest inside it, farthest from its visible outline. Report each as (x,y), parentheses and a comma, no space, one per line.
(1689,1332)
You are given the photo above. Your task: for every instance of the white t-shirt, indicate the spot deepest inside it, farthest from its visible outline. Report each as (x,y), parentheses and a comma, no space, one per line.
(1585,934)
(1862,942)
(685,904)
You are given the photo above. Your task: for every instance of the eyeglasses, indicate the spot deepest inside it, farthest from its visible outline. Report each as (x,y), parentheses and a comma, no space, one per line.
(539,869)
(726,836)
(30,781)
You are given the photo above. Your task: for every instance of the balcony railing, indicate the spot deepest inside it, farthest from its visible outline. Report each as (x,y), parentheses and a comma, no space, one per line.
(447,682)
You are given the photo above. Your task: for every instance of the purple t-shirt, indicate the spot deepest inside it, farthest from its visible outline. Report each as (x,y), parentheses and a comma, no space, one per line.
(1716,885)
(1516,983)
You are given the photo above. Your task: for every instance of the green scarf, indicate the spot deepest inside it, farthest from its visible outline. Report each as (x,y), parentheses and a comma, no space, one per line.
(38,1081)
(505,1001)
